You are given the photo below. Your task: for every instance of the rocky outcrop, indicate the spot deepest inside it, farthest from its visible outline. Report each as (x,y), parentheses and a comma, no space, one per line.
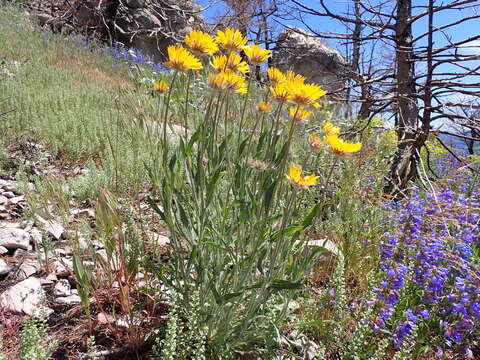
(307,55)
(150,26)
(147,25)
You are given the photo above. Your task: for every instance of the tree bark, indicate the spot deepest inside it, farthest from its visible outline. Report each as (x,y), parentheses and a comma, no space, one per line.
(410,135)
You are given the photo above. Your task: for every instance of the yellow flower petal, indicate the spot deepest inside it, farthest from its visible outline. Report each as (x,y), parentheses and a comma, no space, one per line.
(234,63)
(264,107)
(331,129)
(231,39)
(160,86)
(341,147)
(201,43)
(299,113)
(181,59)
(227,80)
(315,141)
(255,54)
(296,178)
(275,76)
(304,94)
(280,92)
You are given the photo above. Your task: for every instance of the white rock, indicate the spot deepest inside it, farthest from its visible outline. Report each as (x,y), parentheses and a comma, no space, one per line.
(79,213)
(327,244)
(52,277)
(4,268)
(69,300)
(9,194)
(62,288)
(327,257)
(28,268)
(17,199)
(52,226)
(104,318)
(3,250)
(3,200)
(36,236)
(10,186)
(63,268)
(12,237)
(26,297)
(160,240)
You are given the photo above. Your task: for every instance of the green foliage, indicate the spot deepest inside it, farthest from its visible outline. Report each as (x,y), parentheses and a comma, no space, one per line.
(238,229)
(34,342)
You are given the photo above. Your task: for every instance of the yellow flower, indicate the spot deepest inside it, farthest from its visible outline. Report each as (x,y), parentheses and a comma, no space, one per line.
(160,86)
(296,178)
(201,43)
(331,129)
(231,39)
(264,107)
(181,59)
(304,94)
(341,147)
(315,141)
(233,62)
(295,78)
(299,113)
(280,92)
(275,75)
(256,54)
(227,81)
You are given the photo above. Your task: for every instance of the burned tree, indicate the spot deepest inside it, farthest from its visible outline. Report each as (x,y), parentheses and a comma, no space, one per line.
(428,70)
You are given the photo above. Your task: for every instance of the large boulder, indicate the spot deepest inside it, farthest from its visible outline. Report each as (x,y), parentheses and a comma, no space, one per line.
(309,56)
(146,25)
(151,25)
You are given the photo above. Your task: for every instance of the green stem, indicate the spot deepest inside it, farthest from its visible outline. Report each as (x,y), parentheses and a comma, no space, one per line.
(274,127)
(186,105)
(242,118)
(167,106)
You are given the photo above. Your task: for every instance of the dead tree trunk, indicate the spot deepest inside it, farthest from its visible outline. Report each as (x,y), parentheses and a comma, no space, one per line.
(411,139)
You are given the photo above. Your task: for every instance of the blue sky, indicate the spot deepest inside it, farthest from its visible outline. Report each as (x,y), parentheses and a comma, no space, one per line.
(341,6)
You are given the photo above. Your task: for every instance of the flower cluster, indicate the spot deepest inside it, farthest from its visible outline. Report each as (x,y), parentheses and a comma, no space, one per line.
(337,145)
(431,274)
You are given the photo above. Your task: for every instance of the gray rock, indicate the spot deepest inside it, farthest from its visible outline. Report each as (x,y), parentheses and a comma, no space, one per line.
(52,226)
(26,297)
(309,56)
(4,268)
(62,288)
(136,3)
(12,237)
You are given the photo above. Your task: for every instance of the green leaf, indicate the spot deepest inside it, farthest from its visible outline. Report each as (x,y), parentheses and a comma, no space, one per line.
(293,230)
(173,160)
(269,196)
(285,285)
(155,207)
(212,184)
(311,215)
(195,137)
